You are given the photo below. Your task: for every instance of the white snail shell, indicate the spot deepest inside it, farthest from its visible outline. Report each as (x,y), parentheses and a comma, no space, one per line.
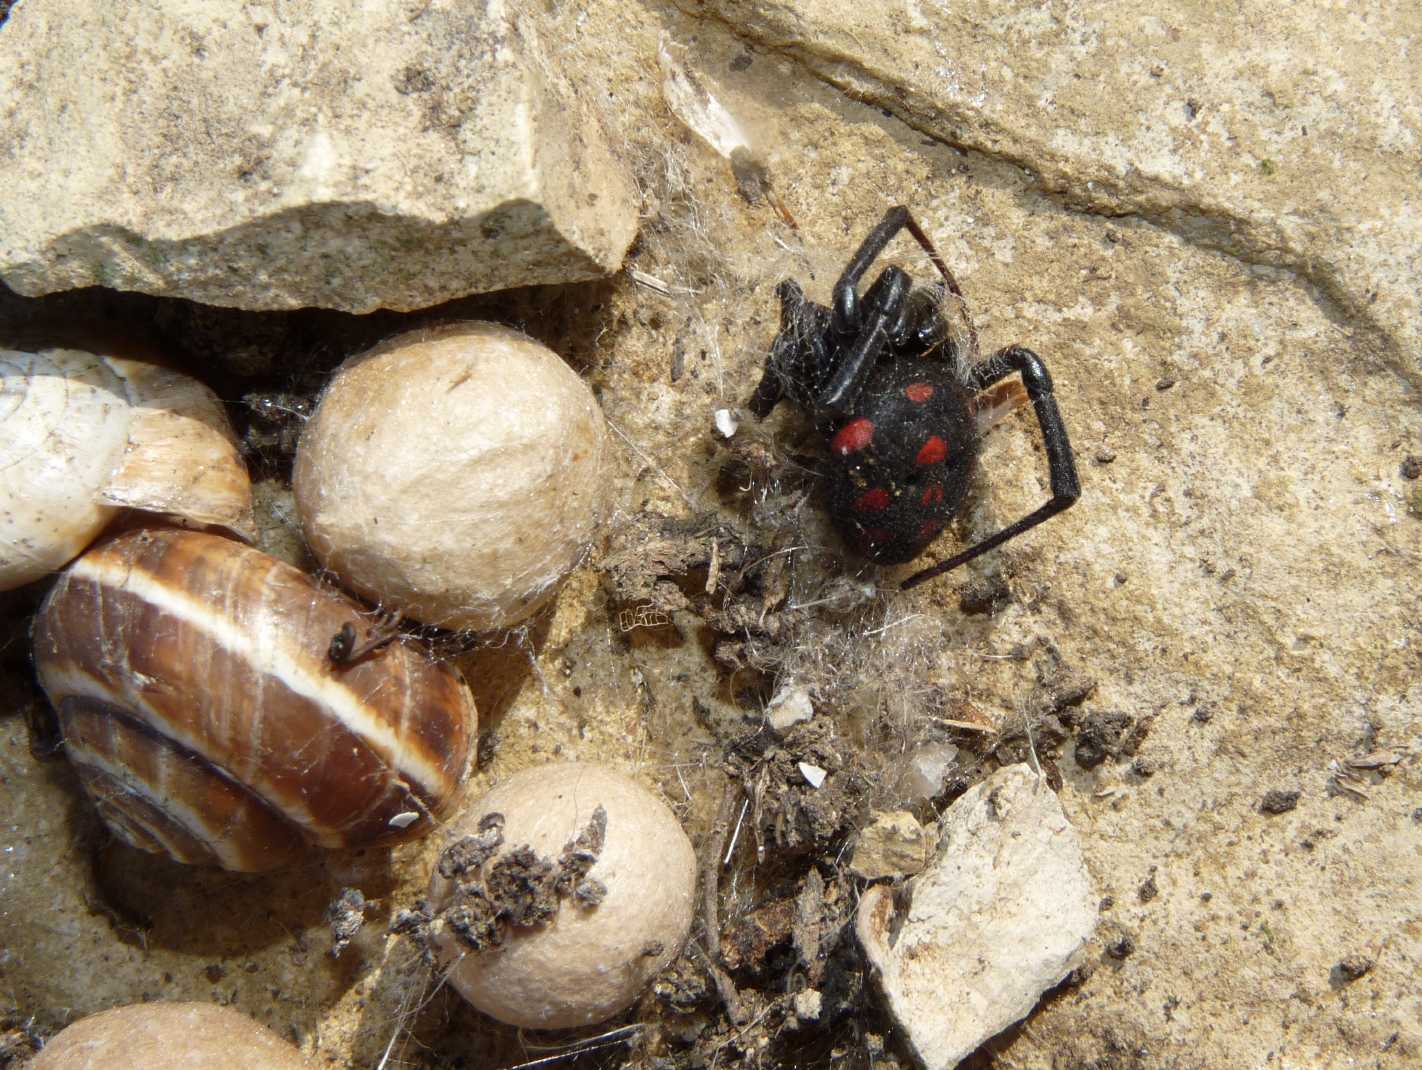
(84,435)
(199,703)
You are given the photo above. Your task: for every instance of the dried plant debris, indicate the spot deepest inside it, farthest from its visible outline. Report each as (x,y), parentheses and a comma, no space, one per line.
(1350,969)
(18,1040)
(498,888)
(578,858)
(1279,801)
(346,916)
(1103,735)
(468,855)
(757,942)
(660,564)
(793,816)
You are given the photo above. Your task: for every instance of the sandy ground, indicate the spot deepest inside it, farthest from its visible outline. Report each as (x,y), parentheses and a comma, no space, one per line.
(1240,580)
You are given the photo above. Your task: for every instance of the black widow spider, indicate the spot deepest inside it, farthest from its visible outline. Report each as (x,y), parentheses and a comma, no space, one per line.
(902,408)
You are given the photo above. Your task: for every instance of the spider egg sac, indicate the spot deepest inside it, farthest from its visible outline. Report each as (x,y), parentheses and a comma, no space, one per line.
(199,704)
(169,1036)
(454,475)
(604,881)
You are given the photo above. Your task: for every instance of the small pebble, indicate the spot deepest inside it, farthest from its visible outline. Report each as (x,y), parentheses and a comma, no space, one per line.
(790,706)
(1104,455)
(1121,949)
(1279,802)
(813,774)
(1165,383)
(1352,968)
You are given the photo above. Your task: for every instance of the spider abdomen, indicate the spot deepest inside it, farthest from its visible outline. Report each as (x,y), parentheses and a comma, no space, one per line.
(900,461)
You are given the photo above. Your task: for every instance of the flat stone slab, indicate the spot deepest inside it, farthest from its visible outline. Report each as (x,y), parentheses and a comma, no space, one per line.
(1290,148)
(345,155)
(996,919)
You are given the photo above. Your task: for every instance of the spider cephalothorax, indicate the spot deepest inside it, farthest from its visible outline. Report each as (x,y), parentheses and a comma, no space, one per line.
(902,404)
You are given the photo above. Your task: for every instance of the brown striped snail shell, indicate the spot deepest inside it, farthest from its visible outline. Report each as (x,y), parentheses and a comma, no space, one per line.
(199,703)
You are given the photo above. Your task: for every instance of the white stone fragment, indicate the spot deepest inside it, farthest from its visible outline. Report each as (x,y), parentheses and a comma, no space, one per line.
(926,771)
(808,1005)
(727,422)
(790,706)
(813,774)
(343,154)
(998,918)
(894,844)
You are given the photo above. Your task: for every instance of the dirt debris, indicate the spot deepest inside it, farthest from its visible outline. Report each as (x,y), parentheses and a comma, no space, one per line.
(498,888)
(1352,968)
(346,915)
(18,1040)
(1279,801)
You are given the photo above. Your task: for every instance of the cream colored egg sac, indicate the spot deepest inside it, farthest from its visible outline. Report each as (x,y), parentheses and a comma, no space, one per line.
(83,436)
(454,475)
(169,1036)
(604,883)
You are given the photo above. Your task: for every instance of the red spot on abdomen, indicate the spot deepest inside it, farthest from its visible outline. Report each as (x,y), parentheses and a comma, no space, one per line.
(932,451)
(933,494)
(872,501)
(853,436)
(918,393)
(875,536)
(929,530)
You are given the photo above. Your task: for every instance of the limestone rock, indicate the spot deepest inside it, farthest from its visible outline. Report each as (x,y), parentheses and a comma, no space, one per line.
(894,845)
(790,706)
(997,919)
(343,155)
(1264,145)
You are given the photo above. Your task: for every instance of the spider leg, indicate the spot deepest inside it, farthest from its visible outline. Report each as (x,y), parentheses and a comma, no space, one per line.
(797,356)
(847,313)
(848,316)
(1066,488)
(885,303)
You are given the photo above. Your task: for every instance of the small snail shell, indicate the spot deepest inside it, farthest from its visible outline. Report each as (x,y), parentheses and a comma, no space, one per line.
(200,706)
(84,435)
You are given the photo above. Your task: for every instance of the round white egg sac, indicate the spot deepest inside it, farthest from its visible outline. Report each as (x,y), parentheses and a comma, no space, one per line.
(169,1036)
(591,960)
(454,475)
(63,426)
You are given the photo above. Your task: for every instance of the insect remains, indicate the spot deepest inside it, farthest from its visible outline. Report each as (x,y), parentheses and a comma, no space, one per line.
(347,648)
